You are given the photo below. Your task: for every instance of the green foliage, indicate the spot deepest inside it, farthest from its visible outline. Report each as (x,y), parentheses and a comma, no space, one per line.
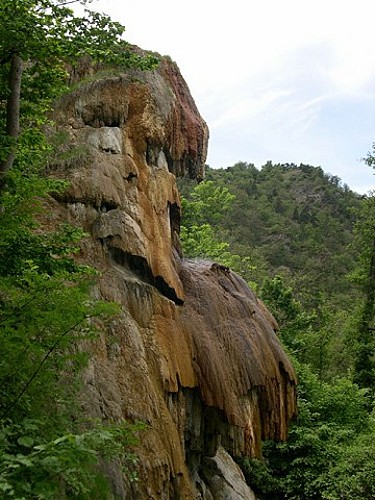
(41,318)
(370,158)
(324,456)
(201,241)
(364,275)
(353,476)
(65,467)
(321,337)
(295,324)
(363,240)
(202,234)
(294,221)
(208,204)
(48,32)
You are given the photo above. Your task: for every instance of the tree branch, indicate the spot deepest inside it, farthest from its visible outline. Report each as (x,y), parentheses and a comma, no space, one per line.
(12,113)
(69,2)
(40,366)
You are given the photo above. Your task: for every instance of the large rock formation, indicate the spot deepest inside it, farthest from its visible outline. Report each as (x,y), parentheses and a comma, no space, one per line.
(193,352)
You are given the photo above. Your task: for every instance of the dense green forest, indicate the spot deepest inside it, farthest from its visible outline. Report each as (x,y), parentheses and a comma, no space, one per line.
(306,243)
(294,221)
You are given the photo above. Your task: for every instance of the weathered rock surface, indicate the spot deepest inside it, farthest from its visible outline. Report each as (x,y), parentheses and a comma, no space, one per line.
(224,478)
(193,352)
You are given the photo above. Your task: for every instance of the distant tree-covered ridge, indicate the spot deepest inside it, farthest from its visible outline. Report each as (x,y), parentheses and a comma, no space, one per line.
(294,221)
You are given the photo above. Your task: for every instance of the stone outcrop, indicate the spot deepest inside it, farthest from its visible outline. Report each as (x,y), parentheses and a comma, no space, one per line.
(193,352)
(224,478)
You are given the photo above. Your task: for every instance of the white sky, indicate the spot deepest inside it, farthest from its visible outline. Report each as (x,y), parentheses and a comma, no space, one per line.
(280,80)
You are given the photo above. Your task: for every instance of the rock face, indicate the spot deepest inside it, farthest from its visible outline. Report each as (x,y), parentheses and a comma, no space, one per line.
(193,352)
(225,478)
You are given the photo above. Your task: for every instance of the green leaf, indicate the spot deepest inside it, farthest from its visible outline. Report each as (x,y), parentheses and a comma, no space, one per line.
(26,441)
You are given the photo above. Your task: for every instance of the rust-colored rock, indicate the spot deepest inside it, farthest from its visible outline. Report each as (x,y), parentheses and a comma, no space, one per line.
(193,352)
(241,367)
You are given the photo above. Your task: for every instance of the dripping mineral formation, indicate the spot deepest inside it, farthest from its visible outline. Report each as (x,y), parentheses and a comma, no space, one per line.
(193,352)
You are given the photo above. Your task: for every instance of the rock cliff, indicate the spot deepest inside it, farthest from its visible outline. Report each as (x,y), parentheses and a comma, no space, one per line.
(193,352)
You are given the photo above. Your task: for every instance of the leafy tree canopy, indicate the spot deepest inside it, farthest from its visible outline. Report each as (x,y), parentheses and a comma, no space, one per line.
(48,31)
(202,232)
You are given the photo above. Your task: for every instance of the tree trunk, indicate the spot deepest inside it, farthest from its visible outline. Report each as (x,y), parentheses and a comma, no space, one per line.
(365,365)
(13,113)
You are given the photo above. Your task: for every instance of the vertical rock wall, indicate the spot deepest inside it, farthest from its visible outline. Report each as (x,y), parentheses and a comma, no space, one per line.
(193,352)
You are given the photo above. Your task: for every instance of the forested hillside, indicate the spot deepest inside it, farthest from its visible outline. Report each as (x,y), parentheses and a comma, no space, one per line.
(295,221)
(305,241)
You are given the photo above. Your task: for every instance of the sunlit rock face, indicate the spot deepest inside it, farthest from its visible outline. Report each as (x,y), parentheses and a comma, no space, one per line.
(193,352)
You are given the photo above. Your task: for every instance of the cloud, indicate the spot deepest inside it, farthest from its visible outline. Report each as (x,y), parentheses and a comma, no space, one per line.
(289,95)
(238,110)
